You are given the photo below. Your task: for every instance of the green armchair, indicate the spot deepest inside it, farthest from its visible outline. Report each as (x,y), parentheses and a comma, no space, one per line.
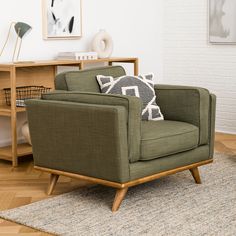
(78,132)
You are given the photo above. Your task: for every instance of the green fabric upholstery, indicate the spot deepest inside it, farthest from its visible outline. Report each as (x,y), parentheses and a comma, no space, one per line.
(133,106)
(80,138)
(212,114)
(102,136)
(164,138)
(85,80)
(145,168)
(187,104)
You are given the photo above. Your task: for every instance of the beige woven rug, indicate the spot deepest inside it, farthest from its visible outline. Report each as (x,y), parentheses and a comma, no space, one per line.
(173,205)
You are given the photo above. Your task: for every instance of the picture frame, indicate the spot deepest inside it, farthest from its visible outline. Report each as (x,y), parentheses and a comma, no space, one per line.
(222,21)
(62,19)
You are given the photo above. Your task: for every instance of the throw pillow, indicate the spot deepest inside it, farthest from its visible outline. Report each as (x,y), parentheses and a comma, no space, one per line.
(139,86)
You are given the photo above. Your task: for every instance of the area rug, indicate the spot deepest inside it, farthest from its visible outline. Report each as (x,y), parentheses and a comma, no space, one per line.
(173,205)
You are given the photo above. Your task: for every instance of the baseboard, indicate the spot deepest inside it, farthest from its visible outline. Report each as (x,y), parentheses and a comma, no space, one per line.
(225,132)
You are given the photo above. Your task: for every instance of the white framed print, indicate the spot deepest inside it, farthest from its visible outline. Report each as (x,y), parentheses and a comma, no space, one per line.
(222,21)
(62,19)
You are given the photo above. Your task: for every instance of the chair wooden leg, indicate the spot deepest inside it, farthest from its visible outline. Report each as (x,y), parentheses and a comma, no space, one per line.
(52,183)
(120,194)
(196,175)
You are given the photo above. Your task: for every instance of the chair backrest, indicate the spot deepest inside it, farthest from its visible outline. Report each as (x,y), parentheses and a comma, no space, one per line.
(85,80)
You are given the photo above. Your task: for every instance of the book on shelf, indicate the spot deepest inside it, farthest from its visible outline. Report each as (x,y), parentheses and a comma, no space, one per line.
(77,56)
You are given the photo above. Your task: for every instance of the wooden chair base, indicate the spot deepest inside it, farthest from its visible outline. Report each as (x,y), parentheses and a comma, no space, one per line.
(122,188)
(196,175)
(52,183)
(120,195)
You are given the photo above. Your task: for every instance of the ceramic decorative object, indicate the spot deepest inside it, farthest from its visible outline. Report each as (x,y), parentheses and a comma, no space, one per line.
(26,133)
(102,43)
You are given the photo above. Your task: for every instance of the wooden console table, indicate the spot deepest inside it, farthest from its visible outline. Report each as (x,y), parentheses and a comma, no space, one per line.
(35,73)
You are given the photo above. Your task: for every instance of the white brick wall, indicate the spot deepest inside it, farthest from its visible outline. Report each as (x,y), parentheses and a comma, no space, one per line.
(188,58)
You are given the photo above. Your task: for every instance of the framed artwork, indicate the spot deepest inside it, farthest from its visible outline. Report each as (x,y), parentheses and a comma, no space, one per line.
(222,21)
(62,19)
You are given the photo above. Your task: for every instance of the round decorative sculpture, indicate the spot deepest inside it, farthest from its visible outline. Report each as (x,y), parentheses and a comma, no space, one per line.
(102,44)
(26,133)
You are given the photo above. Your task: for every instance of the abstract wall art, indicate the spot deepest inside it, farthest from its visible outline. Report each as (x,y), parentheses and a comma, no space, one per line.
(62,19)
(222,21)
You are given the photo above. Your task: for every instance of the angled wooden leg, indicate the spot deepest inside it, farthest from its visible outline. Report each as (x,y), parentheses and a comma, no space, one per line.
(196,175)
(52,183)
(120,194)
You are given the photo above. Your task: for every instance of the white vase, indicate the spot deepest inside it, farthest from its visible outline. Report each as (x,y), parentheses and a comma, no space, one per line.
(102,43)
(26,133)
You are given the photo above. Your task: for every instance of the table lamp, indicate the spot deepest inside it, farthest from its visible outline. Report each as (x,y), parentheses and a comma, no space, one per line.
(21,29)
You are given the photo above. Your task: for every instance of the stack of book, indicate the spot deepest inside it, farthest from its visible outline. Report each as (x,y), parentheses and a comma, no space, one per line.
(77,56)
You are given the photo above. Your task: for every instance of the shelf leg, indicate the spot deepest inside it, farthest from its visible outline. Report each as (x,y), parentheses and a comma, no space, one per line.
(81,66)
(55,71)
(136,72)
(13,117)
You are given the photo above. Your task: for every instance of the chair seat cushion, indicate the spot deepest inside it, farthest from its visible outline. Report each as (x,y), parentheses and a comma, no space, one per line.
(166,137)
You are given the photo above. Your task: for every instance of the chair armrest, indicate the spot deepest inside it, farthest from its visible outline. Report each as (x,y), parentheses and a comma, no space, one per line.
(87,139)
(187,104)
(132,105)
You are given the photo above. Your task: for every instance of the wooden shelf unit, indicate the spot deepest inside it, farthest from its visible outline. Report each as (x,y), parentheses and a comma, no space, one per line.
(35,73)
(6,110)
(23,149)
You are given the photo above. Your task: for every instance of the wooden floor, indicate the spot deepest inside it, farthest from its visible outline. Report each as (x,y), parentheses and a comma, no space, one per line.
(24,185)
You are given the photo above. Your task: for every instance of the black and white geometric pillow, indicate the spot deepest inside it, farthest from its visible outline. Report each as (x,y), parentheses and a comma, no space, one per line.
(139,86)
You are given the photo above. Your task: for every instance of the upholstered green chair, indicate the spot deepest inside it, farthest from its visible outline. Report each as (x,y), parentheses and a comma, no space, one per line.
(78,132)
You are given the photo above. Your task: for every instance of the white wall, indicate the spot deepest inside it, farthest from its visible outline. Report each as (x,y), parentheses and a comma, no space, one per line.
(134,26)
(188,59)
